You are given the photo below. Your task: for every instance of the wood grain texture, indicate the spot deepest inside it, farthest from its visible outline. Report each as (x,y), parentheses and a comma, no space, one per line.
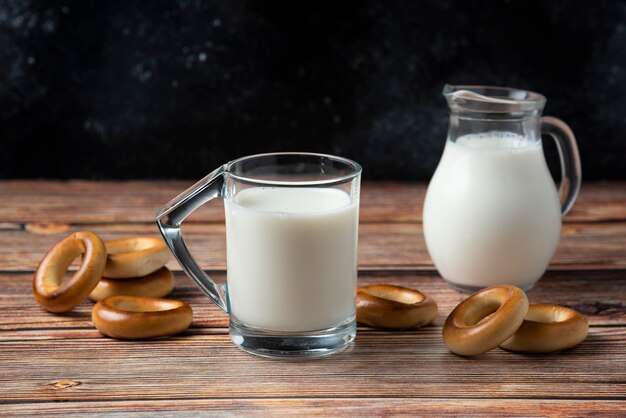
(379,364)
(605,305)
(59,364)
(350,407)
(583,246)
(137,201)
(27,201)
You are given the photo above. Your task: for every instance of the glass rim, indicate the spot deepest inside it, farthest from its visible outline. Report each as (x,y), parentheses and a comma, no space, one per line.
(353,166)
(492,99)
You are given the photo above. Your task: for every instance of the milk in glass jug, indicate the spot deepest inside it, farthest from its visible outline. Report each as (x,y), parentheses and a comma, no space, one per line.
(492,213)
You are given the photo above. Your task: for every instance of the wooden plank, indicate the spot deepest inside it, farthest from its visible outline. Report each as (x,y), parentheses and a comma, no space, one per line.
(381,245)
(47,358)
(403,364)
(599,201)
(603,302)
(137,201)
(349,407)
(28,201)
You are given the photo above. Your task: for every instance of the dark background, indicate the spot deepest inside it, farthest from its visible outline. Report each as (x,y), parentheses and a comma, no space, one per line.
(144,89)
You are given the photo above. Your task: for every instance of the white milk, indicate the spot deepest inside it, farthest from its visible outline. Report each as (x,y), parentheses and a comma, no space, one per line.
(492,213)
(292,257)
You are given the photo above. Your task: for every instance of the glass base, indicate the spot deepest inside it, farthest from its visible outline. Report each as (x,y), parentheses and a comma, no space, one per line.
(293,345)
(473,289)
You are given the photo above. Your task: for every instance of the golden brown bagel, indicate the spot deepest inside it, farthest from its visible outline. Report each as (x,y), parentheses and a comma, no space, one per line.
(134,317)
(156,285)
(48,287)
(485,320)
(394,307)
(548,328)
(135,257)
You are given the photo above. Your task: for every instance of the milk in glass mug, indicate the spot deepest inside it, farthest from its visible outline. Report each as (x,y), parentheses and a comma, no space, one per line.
(291,234)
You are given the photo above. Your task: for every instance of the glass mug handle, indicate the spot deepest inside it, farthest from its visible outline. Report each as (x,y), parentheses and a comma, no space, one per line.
(571,173)
(169,218)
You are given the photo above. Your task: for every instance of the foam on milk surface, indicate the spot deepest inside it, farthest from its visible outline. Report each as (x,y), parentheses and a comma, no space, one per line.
(292,200)
(292,257)
(495,140)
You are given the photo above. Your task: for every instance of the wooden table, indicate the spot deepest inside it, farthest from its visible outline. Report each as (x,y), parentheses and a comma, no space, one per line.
(59,364)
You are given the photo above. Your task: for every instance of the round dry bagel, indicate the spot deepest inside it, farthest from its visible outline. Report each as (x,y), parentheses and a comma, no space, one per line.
(485,320)
(48,287)
(135,317)
(155,285)
(548,328)
(135,257)
(393,307)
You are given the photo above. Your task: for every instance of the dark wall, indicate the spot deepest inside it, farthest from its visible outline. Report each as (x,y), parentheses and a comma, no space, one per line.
(144,89)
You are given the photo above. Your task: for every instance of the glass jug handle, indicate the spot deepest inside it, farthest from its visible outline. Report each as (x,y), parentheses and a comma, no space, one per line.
(169,218)
(571,174)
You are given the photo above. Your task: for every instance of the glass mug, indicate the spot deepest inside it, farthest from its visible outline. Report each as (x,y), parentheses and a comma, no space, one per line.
(291,235)
(492,214)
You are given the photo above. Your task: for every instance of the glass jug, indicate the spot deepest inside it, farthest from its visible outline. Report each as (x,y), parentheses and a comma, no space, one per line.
(492,213)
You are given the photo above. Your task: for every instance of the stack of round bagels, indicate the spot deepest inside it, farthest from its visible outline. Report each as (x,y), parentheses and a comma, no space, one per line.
(126,277)
(498,316)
